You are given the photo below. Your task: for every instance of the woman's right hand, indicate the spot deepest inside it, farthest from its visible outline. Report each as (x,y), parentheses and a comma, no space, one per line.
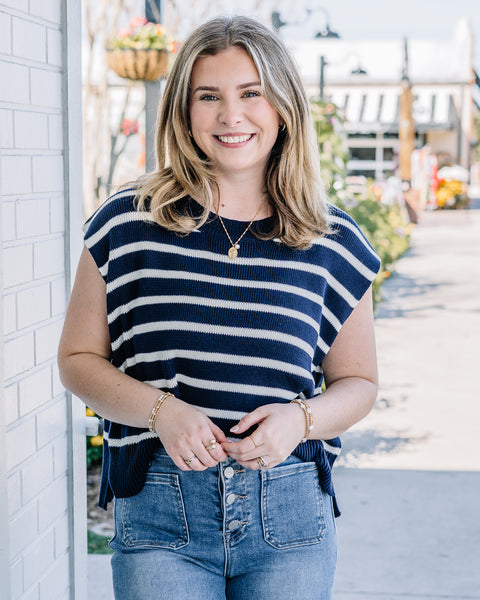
(185,433)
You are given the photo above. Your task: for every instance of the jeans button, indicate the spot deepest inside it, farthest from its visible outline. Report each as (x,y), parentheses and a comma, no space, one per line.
(229,472)
(235,524)
(231,498)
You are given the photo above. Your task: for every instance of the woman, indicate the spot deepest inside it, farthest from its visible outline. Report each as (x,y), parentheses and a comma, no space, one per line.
(211,303)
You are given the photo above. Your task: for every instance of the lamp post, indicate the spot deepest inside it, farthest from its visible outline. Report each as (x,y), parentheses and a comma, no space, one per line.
(153,91)
(406,126)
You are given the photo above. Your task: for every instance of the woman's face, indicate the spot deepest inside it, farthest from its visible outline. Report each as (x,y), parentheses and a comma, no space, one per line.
(230,119)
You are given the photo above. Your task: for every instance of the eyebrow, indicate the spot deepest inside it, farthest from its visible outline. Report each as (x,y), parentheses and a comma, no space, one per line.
(211,88)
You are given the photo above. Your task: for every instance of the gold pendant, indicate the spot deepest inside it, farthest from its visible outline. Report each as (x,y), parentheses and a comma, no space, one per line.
(232,253)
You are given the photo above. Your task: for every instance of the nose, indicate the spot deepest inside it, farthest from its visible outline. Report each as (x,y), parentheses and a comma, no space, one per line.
(230,113)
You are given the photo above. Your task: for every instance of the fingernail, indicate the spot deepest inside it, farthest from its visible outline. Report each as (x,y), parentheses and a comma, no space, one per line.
(234,428)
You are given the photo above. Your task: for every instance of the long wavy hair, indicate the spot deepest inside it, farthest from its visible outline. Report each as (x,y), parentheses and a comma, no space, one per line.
(292,178)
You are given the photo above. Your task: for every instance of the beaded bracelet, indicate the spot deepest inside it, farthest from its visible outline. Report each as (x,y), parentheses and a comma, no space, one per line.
(307,411)
(156,407)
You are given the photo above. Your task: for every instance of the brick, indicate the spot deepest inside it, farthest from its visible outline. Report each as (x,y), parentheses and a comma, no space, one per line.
(19,355)
(55,582)
(32,217)
(62,535)
(58,296)
(19,5)
(32,594)
(29,40)
(23,529)
(9,221)
(17,265)
(14,485)
(60,457)
(31,129)
(10,395)
(46,88)
(51,423)
(46,341)
(20,443)
(34,390)
(16,174)
(57,213)
(55,132)
(47,173)
(6,126)
(57,387)
(49,257)
(52,503)
(37,474)
(50,11)
(38,559)
(6,37)
(16,578)
(18,88)
(54,47)
(9,314)
(33,305)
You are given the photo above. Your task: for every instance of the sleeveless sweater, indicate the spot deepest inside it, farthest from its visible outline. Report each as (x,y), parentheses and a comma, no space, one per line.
(224,335)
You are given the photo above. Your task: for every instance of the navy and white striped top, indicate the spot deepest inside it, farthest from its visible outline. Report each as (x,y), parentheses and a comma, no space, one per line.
(224,335)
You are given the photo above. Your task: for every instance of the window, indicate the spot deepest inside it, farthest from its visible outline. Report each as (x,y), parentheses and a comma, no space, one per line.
(362,153)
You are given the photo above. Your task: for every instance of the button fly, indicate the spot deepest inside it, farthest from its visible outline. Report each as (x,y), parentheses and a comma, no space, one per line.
(231,498)
(235,524)
(229,472)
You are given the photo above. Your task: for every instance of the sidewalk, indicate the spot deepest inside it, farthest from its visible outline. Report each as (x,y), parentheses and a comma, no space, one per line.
(408,480)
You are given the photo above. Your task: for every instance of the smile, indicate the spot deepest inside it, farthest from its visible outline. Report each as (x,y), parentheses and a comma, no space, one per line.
(237,139)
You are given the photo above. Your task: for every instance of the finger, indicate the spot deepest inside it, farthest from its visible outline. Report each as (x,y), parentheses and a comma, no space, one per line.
(250,419)
(218,433)
(215,450)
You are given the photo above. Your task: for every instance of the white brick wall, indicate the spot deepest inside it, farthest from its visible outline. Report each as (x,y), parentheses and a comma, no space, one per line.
(36,501)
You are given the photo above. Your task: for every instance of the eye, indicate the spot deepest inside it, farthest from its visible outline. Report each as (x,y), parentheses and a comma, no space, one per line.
(251,94)
(208,97)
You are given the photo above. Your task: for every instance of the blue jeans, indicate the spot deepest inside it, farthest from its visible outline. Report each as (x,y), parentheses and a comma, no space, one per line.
(225,533)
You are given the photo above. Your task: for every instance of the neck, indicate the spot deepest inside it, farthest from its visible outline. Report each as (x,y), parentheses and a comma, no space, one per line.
(241,200)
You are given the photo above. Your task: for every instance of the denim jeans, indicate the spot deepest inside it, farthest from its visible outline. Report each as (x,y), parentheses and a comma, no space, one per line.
(225,533)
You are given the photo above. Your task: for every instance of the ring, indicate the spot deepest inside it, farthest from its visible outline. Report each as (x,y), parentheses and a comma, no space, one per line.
(254,443)
(189,460)
(212,444)
(262,462)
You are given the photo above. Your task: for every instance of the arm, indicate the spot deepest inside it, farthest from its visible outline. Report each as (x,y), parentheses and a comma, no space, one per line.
(350,370)
(86,370)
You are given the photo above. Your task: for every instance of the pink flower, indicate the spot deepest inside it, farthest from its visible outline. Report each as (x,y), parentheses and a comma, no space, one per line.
(129,127)
(123,33)
(138,22)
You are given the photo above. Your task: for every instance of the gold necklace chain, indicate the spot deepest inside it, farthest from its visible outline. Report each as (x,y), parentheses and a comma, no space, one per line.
(233,250)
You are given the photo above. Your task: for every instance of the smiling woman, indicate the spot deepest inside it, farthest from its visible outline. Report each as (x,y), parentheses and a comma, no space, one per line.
(213,302)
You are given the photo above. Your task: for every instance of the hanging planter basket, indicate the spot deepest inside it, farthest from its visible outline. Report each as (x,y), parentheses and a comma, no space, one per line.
(141,65)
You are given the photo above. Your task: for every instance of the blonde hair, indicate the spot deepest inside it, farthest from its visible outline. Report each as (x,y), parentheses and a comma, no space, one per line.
(292,178)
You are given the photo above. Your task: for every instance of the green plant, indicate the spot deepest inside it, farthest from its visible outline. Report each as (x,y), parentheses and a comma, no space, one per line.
(142,35)
(98,544)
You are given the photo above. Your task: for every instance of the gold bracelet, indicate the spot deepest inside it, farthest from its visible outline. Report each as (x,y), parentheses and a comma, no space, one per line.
(156,407)
(307,411)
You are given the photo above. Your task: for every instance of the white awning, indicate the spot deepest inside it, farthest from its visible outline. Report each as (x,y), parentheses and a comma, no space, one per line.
(368,110)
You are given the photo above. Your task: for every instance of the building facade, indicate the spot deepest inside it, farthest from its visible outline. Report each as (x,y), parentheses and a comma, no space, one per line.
(42,445)
(364,79)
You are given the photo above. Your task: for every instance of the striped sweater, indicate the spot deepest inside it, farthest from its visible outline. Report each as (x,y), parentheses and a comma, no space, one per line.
(224,335)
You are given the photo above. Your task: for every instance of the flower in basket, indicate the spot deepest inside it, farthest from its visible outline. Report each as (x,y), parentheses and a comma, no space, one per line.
(140,52)
(142,35)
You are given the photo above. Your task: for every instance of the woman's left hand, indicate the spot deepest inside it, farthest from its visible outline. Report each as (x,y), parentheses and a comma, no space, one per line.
(280,429)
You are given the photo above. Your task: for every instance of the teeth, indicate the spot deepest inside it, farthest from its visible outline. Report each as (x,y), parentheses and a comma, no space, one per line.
(237,139)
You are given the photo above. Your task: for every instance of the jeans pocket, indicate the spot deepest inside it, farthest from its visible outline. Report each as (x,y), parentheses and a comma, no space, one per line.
(292,506)
(154,518)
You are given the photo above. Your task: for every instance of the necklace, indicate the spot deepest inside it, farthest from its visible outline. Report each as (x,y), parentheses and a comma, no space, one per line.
(235,246)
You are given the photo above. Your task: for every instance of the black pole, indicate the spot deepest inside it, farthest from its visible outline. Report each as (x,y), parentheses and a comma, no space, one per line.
(323,64)
(153,91)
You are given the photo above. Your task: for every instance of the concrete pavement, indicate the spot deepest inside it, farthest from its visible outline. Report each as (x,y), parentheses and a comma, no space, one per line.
(408,480)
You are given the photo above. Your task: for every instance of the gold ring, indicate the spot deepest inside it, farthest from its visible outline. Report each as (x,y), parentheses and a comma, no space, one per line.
(189,460)
(212,444)
(254,443)
(262,462)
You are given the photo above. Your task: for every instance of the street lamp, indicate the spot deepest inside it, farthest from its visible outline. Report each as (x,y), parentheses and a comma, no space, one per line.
(326,32)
